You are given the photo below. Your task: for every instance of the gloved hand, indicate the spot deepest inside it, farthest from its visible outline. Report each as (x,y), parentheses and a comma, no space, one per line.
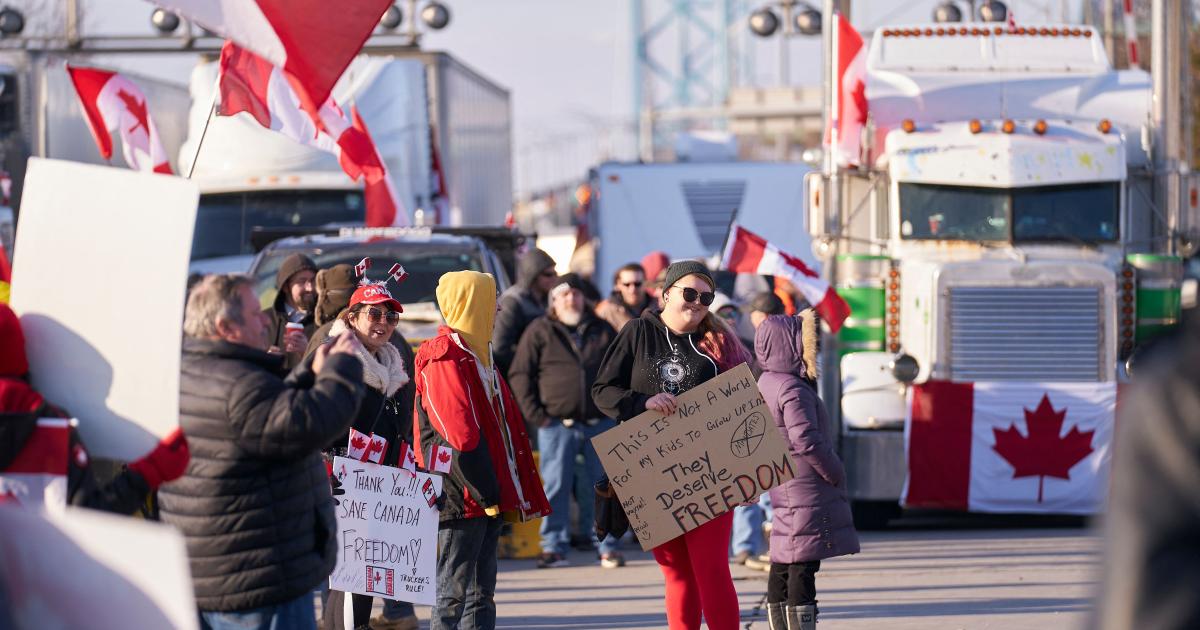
(166,462)
(335,486)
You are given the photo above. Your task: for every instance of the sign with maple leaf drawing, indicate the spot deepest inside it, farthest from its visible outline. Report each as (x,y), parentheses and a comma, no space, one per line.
(1009,446)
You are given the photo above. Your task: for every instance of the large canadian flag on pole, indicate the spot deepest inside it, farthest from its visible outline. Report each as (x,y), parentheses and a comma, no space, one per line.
(112,102)
(249,83)
(849,105)
(311,41)
(1009,446)
(747,252)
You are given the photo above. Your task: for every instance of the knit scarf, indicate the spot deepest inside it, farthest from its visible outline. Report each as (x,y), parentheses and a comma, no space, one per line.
(384,372)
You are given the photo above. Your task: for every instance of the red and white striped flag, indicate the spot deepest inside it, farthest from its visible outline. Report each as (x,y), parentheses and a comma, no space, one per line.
(1009,446)
(112,102)
(747,252)
(407,459)
(849,94)
(313,41)
(250,84)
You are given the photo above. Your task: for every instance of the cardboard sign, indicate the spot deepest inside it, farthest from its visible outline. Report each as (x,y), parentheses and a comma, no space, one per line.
(387,532)
(675,473)
(88,569)
(99,281)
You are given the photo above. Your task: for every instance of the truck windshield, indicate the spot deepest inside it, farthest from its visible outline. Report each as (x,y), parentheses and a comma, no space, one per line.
(1074,213)
(224,220)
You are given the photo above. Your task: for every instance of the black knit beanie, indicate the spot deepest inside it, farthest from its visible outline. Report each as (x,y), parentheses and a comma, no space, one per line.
(683,268)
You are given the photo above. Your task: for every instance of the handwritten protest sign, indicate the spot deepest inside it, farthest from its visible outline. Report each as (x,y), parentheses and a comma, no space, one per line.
(675,473)
(387,532)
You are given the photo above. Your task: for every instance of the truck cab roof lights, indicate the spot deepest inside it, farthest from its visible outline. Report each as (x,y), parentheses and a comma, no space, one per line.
(983,31)
(1105,125)
(1040,127)
(975,126)
(908,125)
(1008,127)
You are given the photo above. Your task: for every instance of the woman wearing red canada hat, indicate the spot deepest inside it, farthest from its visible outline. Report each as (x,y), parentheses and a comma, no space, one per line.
(386,410)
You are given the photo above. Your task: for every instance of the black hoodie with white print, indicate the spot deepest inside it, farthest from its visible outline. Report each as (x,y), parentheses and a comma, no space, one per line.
(647,359)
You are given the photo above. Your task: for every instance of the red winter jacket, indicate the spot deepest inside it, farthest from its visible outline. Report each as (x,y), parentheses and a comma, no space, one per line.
(452,409)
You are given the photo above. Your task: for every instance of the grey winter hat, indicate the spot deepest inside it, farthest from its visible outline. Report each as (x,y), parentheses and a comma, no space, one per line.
(678,270)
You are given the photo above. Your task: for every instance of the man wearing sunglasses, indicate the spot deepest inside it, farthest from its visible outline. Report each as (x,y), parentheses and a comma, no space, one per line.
(628,298)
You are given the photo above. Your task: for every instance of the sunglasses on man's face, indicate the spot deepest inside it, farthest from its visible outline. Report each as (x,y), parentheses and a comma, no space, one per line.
(376,315)
(635,284)
(690,295)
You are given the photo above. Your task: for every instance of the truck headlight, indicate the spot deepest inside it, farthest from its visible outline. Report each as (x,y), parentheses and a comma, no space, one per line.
(905,368)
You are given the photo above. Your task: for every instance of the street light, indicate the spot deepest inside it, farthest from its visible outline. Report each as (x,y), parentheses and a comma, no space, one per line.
(990,11)
(993,11)
(947,12)
(392,18)
(164,21)
(12,22)
(435,15)
(763,22)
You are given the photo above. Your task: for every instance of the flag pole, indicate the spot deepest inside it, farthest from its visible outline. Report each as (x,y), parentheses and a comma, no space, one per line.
(212,108)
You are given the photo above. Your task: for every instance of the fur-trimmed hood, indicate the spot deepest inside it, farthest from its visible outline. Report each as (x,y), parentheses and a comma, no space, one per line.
(384,371)
(788,344)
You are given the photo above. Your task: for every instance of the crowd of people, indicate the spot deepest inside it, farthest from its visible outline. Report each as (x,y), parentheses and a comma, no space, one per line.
(269,397)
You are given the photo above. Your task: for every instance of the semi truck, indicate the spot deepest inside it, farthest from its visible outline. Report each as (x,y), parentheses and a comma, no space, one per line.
(997,228)
(425,111)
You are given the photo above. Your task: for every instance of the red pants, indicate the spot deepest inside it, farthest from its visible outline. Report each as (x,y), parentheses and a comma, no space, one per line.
(696,568)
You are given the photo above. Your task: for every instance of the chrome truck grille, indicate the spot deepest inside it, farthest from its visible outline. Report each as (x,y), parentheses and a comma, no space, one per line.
(1026,333)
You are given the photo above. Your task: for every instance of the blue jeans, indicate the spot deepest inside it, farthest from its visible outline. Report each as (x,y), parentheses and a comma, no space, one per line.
(298,613)
(466,574)
(748,526)
(558,446)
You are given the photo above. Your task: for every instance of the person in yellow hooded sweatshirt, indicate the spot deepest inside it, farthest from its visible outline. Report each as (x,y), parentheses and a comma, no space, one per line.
(467,424)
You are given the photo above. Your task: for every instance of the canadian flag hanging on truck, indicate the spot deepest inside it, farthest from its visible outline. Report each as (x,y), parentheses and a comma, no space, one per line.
(1017,447)
(312,41)
(849,93)
(112,102)
(251,84)
(747,252)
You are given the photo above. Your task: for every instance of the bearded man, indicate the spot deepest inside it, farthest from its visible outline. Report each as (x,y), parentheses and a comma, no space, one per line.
(551,376)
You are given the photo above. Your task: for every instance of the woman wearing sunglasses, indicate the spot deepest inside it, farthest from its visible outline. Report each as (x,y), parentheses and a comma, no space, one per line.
(654,359)
(387,407)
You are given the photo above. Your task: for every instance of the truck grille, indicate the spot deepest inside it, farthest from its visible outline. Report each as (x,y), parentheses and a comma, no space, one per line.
(1026,334)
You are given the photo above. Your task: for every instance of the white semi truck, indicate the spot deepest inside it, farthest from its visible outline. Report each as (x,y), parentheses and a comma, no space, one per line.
(999,228)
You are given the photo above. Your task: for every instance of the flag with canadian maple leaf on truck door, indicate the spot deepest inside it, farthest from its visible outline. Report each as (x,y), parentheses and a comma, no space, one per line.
(1009,446)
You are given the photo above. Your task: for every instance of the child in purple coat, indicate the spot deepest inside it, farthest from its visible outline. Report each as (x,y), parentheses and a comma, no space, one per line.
(811,519)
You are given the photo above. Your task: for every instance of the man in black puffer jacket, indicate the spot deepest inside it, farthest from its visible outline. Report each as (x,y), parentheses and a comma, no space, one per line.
(255,505)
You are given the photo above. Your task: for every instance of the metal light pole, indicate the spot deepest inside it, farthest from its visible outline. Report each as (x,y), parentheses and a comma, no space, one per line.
(1170,25)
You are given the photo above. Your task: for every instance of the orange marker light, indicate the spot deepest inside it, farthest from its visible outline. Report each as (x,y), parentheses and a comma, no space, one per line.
(1105,125)
(975,126)
(908,125)
(1039,127)
(1008,126)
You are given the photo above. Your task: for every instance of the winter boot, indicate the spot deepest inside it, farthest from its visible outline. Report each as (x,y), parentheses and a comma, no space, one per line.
(776,619)
(801,617)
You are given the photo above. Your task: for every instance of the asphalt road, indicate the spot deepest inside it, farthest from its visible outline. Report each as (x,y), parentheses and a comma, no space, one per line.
(929,572)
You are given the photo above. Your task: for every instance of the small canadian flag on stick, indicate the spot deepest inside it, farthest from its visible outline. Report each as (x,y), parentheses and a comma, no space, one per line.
(439,458)
(407,459)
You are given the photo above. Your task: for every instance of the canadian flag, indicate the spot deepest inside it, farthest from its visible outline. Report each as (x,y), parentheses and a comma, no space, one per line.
(37,476)
(249,83)
(311,40)
(849,93)
(112,102)
(1009,446)
(747,252)
(407,459)
(439,458)
(357,444)
(376,449)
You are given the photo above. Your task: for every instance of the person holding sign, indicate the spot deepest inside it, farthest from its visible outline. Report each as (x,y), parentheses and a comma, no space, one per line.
(467,425)
(653,359)
(811,518)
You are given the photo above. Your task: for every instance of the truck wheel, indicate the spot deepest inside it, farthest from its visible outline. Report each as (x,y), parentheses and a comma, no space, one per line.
(869,515)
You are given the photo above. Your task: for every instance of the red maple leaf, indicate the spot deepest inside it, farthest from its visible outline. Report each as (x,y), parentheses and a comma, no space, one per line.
(1043,453)
(137,109)
(443,457)
(377,577)
(358,442)
(376,446)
